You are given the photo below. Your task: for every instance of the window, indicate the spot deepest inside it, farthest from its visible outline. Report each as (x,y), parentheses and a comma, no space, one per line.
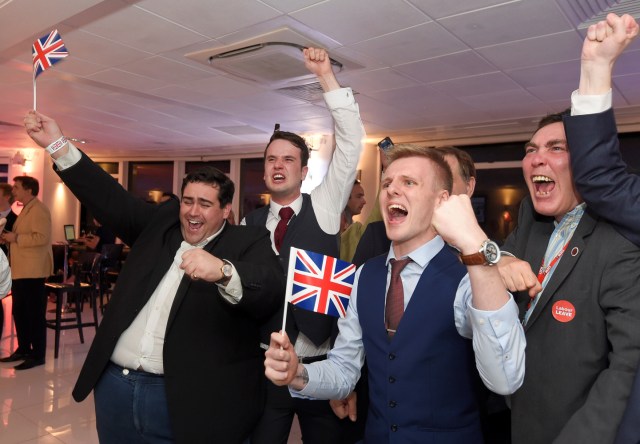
(253,193)
(148,180)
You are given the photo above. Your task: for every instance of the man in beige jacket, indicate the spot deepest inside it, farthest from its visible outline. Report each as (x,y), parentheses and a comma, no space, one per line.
(31,263)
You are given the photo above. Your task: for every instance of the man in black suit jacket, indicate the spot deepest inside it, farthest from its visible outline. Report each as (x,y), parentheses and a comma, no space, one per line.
(599,171)
(177,356)
(582,312)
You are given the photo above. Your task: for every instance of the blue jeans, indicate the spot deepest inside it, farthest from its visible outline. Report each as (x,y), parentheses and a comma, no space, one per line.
(131,407)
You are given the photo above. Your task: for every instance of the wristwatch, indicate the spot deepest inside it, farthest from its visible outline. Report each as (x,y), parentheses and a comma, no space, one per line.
(489,254)
(226,270)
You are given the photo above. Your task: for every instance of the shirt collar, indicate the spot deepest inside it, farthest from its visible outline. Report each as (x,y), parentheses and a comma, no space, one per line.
(423,254)
(572,217)
(296,206)
(204,242)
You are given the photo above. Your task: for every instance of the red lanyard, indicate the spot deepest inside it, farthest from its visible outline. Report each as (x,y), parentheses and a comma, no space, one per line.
(542,273)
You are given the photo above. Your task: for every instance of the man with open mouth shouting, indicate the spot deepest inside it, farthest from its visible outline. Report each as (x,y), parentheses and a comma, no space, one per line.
(430,327)
(310,222)
(175,358)
(579,285)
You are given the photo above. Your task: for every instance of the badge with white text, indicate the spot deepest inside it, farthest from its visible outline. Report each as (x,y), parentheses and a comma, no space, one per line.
(563,311)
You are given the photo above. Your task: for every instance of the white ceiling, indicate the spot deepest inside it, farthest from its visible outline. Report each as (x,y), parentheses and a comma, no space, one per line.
(433,71)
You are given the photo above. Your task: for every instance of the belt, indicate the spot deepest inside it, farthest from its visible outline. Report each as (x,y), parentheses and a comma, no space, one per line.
(310,359)
(140,372)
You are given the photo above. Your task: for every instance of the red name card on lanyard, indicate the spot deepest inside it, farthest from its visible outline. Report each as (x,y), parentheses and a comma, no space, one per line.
(544,271)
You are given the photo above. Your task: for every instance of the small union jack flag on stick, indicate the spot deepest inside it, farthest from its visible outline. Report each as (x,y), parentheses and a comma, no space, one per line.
(318,283)
(47,51)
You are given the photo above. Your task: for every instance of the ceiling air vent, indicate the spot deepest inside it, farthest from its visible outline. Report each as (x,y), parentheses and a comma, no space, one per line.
(273,60)
(585,13)
(311,92)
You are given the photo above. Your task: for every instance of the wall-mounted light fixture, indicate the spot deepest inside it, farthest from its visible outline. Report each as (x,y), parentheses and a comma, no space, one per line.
(18,159)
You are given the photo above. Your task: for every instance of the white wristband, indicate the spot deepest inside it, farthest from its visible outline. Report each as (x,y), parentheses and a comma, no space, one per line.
(55,146)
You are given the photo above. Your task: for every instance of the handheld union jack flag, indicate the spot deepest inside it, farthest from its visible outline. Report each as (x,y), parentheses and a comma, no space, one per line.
(47,50)
(319,283)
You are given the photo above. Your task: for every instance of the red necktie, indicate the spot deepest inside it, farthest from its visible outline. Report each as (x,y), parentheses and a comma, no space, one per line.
(395,297)
(285,213)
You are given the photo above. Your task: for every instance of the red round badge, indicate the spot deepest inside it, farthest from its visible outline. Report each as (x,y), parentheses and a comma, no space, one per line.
(563,311)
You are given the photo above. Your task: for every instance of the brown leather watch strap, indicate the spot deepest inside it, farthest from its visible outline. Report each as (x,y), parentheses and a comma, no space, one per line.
(473,259)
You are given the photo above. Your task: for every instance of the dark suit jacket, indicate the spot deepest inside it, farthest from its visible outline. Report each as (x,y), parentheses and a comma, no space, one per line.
(578,373)
(602,180)
(374,242)
(600,173)
(212,360)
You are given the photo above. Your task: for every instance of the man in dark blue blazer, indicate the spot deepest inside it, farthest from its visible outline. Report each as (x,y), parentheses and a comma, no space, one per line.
(599,171)
(176,357)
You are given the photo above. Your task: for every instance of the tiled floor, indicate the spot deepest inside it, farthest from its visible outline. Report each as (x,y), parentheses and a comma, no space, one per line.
(36,404)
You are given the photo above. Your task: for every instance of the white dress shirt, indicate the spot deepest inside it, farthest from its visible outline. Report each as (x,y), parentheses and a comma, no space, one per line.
(592,104)
(330,197)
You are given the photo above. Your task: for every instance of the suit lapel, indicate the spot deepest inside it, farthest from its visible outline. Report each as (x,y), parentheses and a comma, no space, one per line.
(565,265)
(186,281)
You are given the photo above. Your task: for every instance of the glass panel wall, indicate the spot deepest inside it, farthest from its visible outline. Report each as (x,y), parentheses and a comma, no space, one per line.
(148,180)
(253,192)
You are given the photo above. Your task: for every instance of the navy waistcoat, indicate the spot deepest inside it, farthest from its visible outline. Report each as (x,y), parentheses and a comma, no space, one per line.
(423,382)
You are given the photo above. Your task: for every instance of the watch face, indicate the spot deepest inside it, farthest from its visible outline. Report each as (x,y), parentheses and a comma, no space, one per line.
(227,270)
(491,252)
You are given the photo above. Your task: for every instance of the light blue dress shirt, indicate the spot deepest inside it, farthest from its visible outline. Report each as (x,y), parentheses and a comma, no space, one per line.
(497,336)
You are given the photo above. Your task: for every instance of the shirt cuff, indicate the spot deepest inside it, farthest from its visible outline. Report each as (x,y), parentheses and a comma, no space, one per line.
(232,292)
(339,98)
(312,386)
(496,323)
(69,159)
(592,104)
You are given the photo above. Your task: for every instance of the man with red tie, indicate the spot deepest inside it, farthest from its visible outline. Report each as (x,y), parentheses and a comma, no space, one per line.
(310,222)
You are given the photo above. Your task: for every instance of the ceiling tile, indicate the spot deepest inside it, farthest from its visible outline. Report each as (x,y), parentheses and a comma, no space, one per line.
(127,80)
(408,45)
(287,6)
(377,80)
(508,22)
(461,64)
(480,84)
(439,9)
(349,21)
(167,70)
(535,51)
(124,26)
(211,18)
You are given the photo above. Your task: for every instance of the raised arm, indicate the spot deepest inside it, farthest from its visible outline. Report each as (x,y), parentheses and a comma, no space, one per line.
(44,131)
(91,184)
(604,43)
(499,350)
(455,221)
(599,172)
(330,197)
(317,61)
